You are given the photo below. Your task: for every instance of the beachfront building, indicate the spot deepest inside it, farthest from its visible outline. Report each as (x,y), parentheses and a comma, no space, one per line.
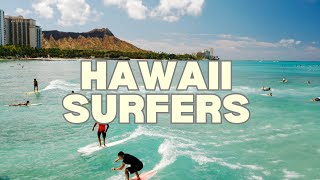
(2,24)
(209,54)
(23,32)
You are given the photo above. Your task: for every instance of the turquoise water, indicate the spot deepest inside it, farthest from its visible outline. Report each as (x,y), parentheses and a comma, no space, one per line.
(280,141)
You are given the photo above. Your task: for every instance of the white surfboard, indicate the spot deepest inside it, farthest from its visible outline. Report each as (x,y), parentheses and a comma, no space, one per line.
(146,175)
(91,148)
(38,104)
(33,92)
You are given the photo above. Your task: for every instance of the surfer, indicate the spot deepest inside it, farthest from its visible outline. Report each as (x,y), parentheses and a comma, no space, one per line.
(21,104)
(316,99)
(101,130)
(35,85)
(135,164)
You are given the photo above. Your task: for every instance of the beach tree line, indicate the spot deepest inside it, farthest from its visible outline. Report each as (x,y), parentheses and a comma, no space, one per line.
(17,52)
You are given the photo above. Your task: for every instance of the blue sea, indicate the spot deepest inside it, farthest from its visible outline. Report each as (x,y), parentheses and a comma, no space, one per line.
(280,141)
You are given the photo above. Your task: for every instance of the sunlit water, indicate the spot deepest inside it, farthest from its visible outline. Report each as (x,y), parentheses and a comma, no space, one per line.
(280,141)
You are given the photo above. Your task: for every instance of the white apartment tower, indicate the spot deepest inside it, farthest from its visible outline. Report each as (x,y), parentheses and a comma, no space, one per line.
(2,28)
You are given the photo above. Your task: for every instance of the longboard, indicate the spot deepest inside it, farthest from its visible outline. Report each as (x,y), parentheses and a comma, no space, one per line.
(91,148)
(28,105)
(32,92)
(146,175)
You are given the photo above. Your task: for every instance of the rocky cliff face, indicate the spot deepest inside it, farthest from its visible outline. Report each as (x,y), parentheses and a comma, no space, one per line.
(97,39)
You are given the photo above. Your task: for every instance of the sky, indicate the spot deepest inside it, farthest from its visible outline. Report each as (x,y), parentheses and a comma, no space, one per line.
(236,29)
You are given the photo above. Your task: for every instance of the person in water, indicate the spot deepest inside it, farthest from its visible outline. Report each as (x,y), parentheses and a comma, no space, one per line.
(72,92)
(35,85)
(284,80)
(270,94)
(316,99)
(266,88)
(309,82)
(101,130)
(135,164)
(21,104)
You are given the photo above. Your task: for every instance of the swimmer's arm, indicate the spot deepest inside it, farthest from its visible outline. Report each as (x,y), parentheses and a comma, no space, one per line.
(119,168)
(117,160)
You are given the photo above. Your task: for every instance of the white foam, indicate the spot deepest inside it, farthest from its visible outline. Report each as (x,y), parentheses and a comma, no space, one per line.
(252,167)
(276,161)
(255,178)
(291,174)
(168,152)
(62,85)
(93,147)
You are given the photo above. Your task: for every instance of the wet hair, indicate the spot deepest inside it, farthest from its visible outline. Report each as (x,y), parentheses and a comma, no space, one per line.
(72,91)
(121,153)
(34,79)
(28,101)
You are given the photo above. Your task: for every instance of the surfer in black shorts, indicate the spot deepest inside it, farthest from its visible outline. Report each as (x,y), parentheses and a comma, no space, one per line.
(135,164)
(35,85)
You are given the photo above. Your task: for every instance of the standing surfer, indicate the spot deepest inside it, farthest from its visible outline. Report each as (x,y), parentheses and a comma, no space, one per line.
(35,85)
(135,164)
(101,130)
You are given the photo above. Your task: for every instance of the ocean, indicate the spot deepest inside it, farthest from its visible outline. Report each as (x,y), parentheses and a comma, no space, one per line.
(280,141)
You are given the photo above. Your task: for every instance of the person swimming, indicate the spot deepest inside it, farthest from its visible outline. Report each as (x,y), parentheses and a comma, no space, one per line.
(21,104)
(266,88)
(284,80)
(270,94)
(308,82)
(316,99)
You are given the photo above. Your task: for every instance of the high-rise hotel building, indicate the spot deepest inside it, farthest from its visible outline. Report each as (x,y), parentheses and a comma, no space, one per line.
(2,23)
(16,30)
(20,31)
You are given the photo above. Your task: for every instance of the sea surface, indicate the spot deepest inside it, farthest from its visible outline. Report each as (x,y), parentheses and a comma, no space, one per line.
(280,141)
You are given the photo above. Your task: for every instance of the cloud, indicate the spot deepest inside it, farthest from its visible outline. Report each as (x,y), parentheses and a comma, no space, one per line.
(44,7)
(167,10)
(172,10)
(23,12)
(72,12)
(135,8)
(289,42)
(75,12)
(229,46)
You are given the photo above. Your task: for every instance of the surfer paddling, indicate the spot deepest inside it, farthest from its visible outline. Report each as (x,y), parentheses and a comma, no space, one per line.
(21,104)
(135,164)
(101,130)
(35,85)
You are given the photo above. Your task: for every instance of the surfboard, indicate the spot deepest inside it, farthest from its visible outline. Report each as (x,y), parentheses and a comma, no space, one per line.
(37,92)
(284,81)
(38,104)
(91,148)
(146,175)
(28,105)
